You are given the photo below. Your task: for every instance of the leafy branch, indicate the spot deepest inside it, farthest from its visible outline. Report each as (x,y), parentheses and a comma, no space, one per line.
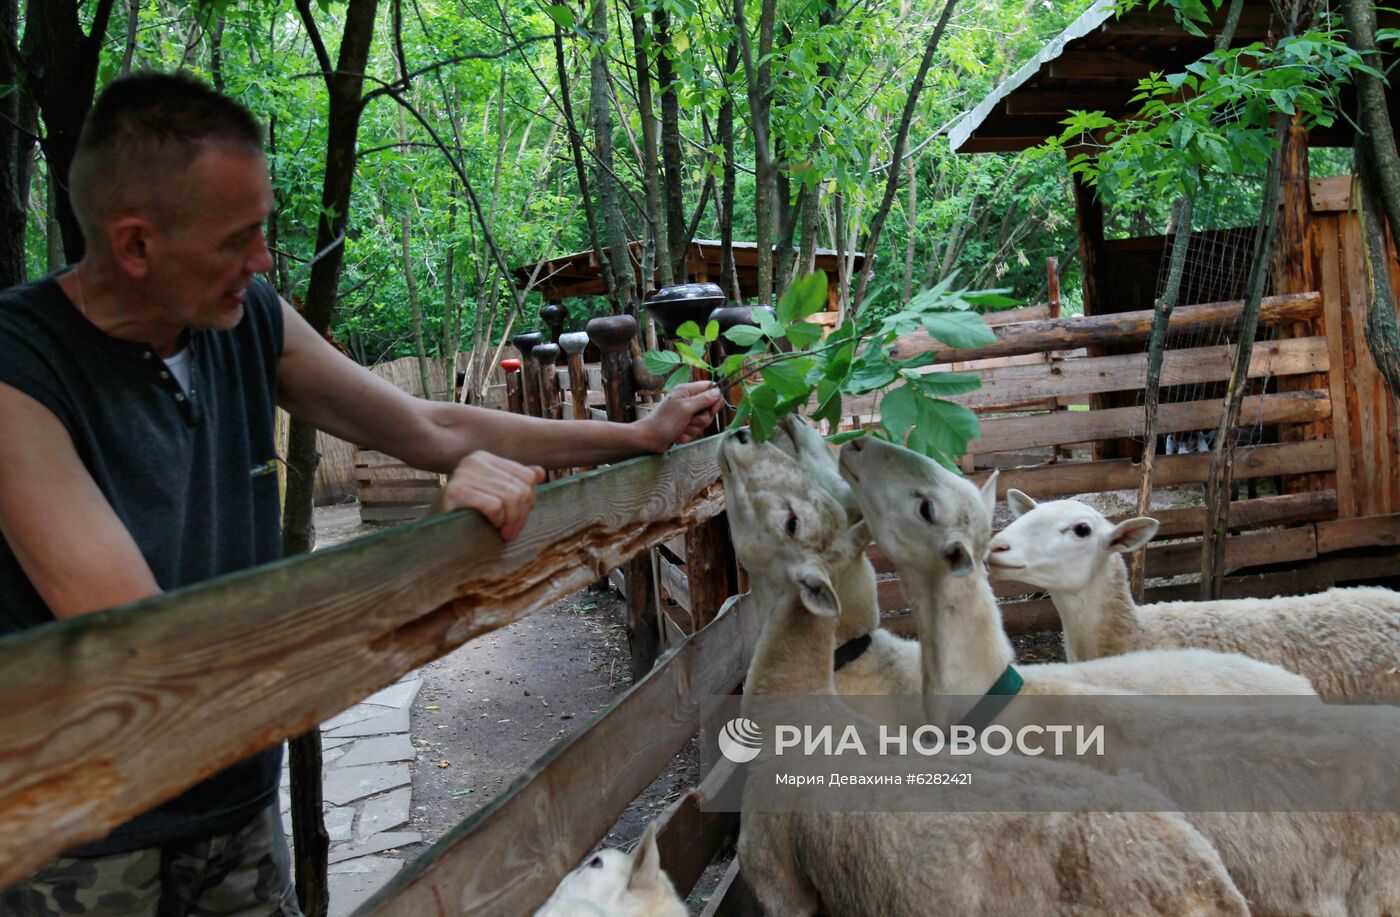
(789,368)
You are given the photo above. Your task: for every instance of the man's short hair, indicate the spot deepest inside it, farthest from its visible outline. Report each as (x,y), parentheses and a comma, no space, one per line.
(138,138)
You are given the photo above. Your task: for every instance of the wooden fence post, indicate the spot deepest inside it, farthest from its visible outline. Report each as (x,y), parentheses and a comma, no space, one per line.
(613,335)
(574,344)
(554,315)
(551,402)
(515,396)
(530,370)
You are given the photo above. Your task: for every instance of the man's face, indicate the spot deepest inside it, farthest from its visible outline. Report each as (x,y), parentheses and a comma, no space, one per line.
(201,265)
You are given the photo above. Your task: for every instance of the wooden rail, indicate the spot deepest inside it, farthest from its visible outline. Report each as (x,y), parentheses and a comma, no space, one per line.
(1116,329)
(89,706)
(508,857)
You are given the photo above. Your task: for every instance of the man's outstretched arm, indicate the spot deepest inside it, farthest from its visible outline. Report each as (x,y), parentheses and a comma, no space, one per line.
(68,540)
(333,393)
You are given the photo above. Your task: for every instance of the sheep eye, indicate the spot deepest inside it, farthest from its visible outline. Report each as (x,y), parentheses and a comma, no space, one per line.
(596,863)
(1082,529)
(792,524)
(926,511)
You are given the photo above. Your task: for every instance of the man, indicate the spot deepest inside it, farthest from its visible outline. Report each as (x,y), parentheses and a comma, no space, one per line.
(136,396)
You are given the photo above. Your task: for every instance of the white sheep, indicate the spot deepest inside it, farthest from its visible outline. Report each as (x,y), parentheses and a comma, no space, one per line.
(870,660)
(1346,641)
(936,527)
(790,536)
(909,499)
(612,883)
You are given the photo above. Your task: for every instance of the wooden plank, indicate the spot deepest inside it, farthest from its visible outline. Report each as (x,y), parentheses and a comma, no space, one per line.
(88,706)
(673,580)
(1095,375)
(1362,532)
(1114,329)
(1002,434)
(1286,509)
(1067,478)
(1254,549)
(1367,435)
(1034,313)
(1330,194)
(508,857)
(421,496)
(1325,231)
(392,512)
(688,836)
(733,897)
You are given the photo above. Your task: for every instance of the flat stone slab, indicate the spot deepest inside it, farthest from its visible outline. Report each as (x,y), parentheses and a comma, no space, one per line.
(347,716)
(349,889)
(383,813)
(384,840)
(383,724)
(397,695)
(346,784)
(339,822)
(377,750)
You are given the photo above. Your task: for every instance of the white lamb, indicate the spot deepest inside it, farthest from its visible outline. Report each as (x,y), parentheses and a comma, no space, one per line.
(869,659)
(936,527)
(612,883)
(790,536)
(1347,641)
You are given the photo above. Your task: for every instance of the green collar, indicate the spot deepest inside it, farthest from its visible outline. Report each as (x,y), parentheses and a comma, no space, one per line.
(1007,686)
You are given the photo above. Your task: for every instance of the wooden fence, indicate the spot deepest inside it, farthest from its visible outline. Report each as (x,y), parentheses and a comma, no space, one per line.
(90,707)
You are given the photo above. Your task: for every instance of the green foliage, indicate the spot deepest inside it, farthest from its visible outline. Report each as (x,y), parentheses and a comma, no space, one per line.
(855,359)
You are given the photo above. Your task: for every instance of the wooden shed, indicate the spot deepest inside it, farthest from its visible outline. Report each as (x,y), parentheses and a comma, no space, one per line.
(1337,515)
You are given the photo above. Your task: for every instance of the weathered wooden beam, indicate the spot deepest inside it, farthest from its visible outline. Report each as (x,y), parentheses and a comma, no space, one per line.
(508,857)
(1114,329)
(1286,509)
(1004,434)
(688,836)
(1363,532)
(1065,479)
(89,706)
(733,897)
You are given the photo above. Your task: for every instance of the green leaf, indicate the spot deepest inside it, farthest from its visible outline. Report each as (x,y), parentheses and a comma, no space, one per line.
(959,329)
(562,15)
(788,378)
(991,299)
(660,362)
(845,436)
(712,332)
(744,335)
(934,384)
(767,324)
(690,331)
(803,297)
(763,413)
(731,365)
(943,429)
(689,356)
(828,402)
(679,377)
(899,411)
(803,334)
(868,377)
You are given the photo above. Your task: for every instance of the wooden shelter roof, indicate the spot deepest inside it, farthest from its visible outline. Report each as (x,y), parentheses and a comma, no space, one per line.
(578,274)
(1095,64)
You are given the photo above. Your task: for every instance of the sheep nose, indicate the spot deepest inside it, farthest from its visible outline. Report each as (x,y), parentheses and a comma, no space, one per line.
(857,445)
(998,548)
(742,436)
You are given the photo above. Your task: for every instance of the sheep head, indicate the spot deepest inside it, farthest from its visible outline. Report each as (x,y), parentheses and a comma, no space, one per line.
(1062,544)
(798,439)
(617,884)
(923,516)
(785,531)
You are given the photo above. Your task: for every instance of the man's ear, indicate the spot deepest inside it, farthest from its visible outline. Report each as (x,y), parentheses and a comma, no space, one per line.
(646,862)
(989,493)
(130,240)
(815,589)
(1019,502)
(1131,534)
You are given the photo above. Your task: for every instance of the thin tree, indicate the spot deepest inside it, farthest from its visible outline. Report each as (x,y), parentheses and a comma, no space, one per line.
(12,215)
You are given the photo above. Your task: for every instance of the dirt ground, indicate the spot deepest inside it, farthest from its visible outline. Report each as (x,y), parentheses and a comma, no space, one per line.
(493,706)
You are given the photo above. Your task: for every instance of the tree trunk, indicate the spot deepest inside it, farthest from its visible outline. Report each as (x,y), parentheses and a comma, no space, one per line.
(580,171)
(1382,165)
(12,215)
(133,24)
(216,53)
(911,236)
(623,284)
(62,65)
(901,142)
(344,87)
(420,347)
(1382,335)
(725,135)
(651,161)
(671,147)
(759,78)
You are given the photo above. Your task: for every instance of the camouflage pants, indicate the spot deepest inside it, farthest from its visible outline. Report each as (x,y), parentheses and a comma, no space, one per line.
(246,873)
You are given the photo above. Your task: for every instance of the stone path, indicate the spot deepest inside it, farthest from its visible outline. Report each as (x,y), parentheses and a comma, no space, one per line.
(368,792)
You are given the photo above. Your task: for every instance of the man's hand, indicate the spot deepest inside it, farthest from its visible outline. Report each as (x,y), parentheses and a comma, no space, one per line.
(501,490)
(681,416)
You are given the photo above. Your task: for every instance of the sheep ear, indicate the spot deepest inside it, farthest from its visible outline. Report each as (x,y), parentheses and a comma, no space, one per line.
(1020,503)
(816,591)
(989,493)
(1131,534)
(858,537)
(646,862)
